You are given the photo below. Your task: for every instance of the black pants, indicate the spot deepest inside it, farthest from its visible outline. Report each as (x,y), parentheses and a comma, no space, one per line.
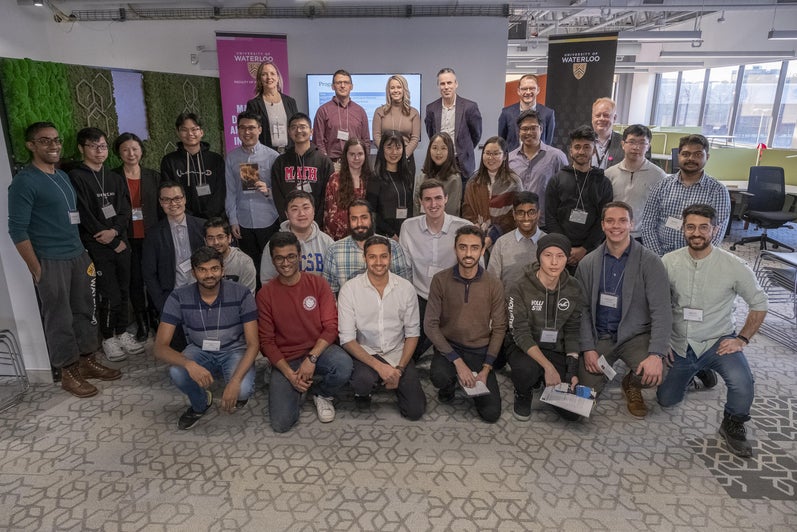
(423,341)
(526,372)
(138,291)
(113,288)
(254,241)
(443,374)
(411,399)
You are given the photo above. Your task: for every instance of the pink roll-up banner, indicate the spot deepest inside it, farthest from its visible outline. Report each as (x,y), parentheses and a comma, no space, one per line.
(239,57)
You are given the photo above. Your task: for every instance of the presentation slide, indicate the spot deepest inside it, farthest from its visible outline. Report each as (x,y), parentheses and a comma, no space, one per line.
(368,91)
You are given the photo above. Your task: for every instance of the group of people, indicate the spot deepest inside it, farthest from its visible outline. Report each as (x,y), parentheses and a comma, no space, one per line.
(343,275)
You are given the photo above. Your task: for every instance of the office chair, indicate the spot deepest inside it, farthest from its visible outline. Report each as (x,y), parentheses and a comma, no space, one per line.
(767,190)
(674,162)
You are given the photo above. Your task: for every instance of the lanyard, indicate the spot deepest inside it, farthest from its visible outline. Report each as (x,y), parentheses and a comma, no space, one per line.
(556,311)
(104,199)
(58,184)
(401,201)
(581,189)
(606,285)
(202,316)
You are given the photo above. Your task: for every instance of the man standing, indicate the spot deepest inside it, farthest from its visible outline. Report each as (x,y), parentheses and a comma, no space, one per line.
(575,198)
(298,324)
(166,263)
(528,88)
(344,259)
(661,221)
(534,162)
(705,281)
(300,210)
(238,265)
(457,116)
(634,177)
(43,223)
(379,327)
(608,148)
(519,247)
(220,319)
(302,167)
(199,170)
(340,119)
(466,322)
(249,204)
(103,202)
(628,315)
(428,240)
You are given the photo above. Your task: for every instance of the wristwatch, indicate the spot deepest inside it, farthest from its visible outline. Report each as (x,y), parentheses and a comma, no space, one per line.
(313,359)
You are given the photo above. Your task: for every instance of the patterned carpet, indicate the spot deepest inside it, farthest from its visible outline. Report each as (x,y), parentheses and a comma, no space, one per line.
(117,462)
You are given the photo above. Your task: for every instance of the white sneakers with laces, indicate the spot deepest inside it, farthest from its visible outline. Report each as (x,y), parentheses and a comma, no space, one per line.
(324,407)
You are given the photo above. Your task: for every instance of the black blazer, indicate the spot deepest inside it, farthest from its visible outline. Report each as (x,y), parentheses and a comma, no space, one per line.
(150,207)
(257,105)
(158,261)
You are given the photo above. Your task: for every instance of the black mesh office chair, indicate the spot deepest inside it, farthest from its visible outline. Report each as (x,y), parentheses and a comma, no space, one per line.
(675,166)
(767,190)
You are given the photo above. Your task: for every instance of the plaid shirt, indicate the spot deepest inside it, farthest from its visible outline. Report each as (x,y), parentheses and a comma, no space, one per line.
(669,198)
(344,260)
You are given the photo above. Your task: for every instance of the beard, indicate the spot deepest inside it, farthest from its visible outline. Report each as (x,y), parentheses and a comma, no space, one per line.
(698,243)
(360,235)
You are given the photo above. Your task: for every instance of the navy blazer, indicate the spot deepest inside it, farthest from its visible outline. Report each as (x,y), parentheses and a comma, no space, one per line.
(507,125)
(258,106)
(158,262)
(468,124)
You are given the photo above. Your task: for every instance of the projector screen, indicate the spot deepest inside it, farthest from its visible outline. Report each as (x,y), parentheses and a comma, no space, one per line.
(368,91)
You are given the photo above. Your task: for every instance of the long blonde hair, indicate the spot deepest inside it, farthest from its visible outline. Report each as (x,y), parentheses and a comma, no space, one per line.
(259,80)
(405,104)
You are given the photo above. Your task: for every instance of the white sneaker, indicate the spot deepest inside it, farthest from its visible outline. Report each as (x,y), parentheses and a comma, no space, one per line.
(323,405)
(129,343)
(113,349)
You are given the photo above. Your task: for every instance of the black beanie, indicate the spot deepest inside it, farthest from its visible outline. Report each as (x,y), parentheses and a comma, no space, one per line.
(555,240)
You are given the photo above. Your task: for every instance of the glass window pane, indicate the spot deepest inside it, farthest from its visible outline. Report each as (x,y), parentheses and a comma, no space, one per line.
(691,91)
(665,100)
(756,99)
(785,130)
(719,100)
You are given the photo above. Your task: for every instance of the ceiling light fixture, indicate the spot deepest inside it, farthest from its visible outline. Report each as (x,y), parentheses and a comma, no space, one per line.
(660,36)
(782,35)
(726,54)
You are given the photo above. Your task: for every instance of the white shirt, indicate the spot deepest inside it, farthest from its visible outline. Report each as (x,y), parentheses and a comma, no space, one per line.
(379,324)
(182,253)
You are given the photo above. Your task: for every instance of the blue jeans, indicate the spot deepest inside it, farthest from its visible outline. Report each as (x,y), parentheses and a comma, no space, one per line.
(221,363)
(732,368)
(334,368)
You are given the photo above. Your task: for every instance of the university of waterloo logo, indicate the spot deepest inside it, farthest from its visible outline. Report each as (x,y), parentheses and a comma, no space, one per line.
(579,69)
(252,67)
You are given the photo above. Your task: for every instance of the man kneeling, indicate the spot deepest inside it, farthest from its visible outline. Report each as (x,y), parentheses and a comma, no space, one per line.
(219,318)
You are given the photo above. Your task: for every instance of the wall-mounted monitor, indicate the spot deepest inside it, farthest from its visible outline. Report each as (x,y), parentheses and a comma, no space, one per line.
(368,91)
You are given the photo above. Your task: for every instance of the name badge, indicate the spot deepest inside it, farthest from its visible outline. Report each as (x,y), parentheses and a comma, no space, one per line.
(185,266)
(549,336)
(401,214)
(577,216)
(277,129)
(606,368)
(307,187)
(693,314)
(108,211)
(74,217)
(211,345)
(608,300)
(673,223)
(137,215)
(343,135)
(203,190)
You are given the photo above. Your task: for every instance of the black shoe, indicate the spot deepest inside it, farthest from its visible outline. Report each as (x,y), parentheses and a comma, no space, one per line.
(522,411)
(736,437)
(362,402)
(142,327)
(241,403)
(708,377)
(446,395)
(190,417)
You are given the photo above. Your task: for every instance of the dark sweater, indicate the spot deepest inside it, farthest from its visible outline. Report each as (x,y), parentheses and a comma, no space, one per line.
(206,167)
(94,190)
(292,171)
(562,196)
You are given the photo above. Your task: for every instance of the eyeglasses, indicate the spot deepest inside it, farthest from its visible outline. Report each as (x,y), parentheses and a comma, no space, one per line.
(494,154)
(639,143)
(280,259)
(246,129)
(692,155)
(96,147)
(531,213)
(527,129)
(47,141)
(702,228)
(191,130)
(299,127)
(175,199)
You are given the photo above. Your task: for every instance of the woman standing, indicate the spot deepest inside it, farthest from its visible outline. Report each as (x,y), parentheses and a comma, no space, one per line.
(390,190)
(441,164)
(143,186)
(490,192)
(344,187)
(398,115)
(274,107)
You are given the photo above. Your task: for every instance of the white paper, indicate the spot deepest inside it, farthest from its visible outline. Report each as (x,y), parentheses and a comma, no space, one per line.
(568,401)
(606,368)
(479,389)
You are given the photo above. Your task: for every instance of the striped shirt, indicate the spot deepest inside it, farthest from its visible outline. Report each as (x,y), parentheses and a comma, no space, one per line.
(345,259)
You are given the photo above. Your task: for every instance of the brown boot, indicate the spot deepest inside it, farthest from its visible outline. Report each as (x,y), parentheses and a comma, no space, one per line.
(91,369)
(74,383)
(633,396)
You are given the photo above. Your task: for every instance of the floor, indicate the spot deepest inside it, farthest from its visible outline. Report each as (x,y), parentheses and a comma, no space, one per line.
(117,462)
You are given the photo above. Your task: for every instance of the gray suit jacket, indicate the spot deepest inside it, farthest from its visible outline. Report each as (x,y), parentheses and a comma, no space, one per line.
(468,124)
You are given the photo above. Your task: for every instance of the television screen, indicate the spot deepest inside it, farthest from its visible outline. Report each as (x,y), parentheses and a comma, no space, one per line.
(368,91)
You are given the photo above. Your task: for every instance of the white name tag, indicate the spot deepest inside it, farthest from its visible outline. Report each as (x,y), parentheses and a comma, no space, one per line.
(108,211)
(137,215)
(673,223)
(203,190)
(307,187)
(693,314)
(211,345)
(185,266)
(343,135)
(606,368)
(608,300)
(401,214)
(577,216)
(549,336)
(74,217)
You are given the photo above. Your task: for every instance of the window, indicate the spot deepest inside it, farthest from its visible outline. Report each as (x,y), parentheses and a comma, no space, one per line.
(785,130)
(719,100)
(665,98)
(756,99)
(690,93)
